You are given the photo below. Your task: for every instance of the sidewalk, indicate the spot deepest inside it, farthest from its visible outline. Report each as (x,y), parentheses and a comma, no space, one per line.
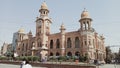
(13,66)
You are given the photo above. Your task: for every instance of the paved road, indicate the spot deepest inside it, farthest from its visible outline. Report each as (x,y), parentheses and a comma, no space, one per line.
(109,66)
(13,66)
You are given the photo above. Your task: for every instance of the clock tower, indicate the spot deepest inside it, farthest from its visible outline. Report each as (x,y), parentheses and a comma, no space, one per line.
(43,23)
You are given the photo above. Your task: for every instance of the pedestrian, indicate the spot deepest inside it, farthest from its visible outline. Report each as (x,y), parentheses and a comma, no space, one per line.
(27,65)
(23,63)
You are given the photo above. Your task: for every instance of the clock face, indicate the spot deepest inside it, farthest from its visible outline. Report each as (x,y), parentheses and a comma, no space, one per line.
(39,23)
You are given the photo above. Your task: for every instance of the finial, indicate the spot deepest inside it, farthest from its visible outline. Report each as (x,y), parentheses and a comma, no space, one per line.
(30,32)
(84,9)
(44,1)
(62,24)
(21,26)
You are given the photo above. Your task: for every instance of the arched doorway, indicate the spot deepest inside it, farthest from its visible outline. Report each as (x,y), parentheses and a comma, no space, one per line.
(51,54)
(77,53)
(57,54)
(69,54)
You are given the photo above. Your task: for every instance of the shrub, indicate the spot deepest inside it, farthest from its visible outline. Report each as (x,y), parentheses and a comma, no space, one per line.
(29,58)
(52,58)
(62,58)
(3,58)
(35,58)
(81,58)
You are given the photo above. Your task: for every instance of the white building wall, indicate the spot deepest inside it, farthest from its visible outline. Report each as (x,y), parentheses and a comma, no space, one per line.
(5,48)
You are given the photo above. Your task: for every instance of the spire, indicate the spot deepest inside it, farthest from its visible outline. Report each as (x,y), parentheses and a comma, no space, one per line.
(30,33)
(62,27)
(44,6)
(85,9)
(44,10)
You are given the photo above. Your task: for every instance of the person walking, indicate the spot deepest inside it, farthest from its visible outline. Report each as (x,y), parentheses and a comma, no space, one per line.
(23,63)
(27,65)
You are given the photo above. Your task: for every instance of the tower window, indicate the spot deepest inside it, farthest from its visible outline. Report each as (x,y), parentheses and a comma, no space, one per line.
(85,42)
(89,42)
(23,47)
(44,12)
(87,21)
(26,46)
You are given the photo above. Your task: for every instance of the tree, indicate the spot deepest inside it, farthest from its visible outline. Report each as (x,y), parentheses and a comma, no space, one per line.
(109,55)
(118,56)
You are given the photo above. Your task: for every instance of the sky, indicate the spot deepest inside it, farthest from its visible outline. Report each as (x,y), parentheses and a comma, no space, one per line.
(16,14)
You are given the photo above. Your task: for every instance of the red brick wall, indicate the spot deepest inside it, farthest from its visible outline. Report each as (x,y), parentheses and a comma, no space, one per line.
(52,65)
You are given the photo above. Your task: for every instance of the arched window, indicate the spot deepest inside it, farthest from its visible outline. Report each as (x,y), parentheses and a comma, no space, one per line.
(77,42)
(51,54)
(51,44)
(44,12)
(26,46)
(58,43)
(23,47)
(68,43)
(40,44)
(57,54)
(84,26)
(69,54)
(32,44)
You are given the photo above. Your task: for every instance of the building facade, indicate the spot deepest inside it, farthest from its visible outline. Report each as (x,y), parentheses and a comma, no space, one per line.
(85,41)
(6,49)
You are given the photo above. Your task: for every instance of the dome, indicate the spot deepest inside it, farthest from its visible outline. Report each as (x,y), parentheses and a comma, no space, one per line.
(21,30)
(44,6)
(85,14)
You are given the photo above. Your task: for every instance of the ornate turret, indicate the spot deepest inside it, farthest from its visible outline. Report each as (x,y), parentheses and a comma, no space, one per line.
(85,21)
(44,10)
(43,23)
(30,34)
(62,29)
